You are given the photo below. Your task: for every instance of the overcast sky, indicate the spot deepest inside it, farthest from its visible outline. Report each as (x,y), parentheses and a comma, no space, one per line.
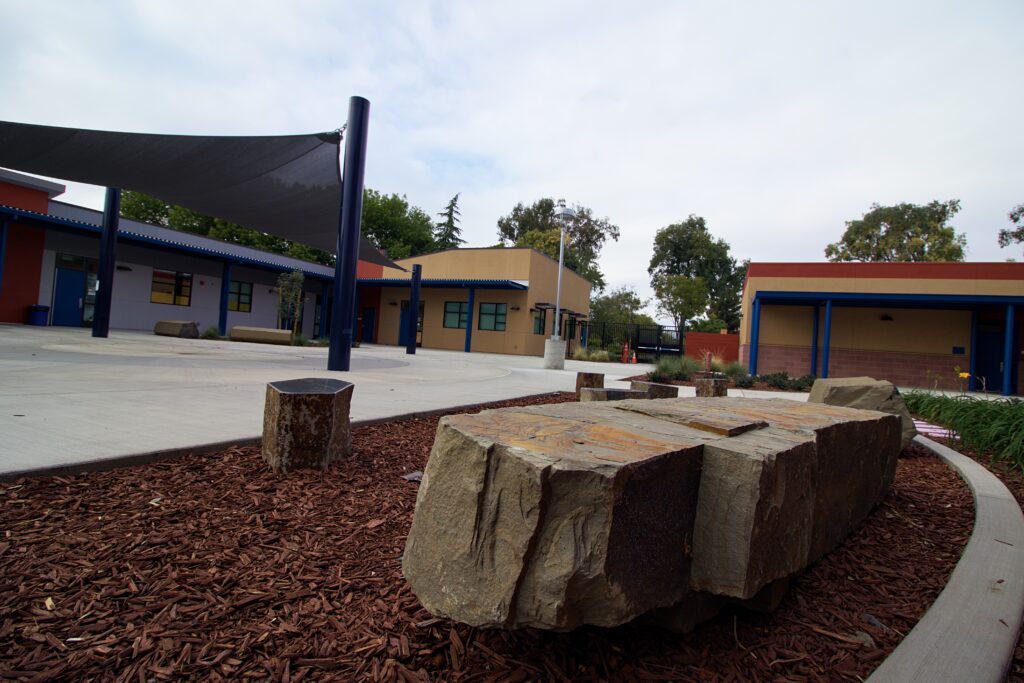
(776,121)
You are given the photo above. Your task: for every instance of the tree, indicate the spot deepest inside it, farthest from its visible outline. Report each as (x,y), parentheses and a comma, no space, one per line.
(536,226)
(622,305)
(708,324)
(396,227)
(142,207)
(904,232)
(680,297)
(689,249)
(289,298)
(1016,235)
(447,233)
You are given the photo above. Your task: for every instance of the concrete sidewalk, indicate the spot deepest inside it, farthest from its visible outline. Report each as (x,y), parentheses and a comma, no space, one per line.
(66,398)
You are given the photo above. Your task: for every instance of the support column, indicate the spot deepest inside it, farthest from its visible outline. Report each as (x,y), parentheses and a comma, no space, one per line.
(414,309)
(225,294)
(814,339)
(3,250)
(105,268)
(755,331)
(325,309)
(1008,351)
(972,381)
(339,355)
(469,319)
(826,342)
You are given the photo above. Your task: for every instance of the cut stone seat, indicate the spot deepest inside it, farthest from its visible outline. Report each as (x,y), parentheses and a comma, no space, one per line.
(654,389)
(602,394)
(592,380)
(185,329)
(306,423)
(261,335)
(555,516)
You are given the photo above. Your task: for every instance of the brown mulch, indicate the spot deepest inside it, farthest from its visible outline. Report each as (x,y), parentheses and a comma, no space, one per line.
(212,567)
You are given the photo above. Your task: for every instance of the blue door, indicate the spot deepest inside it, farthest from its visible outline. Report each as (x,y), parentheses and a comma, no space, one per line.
(369,323)
(989,365)
(68,292)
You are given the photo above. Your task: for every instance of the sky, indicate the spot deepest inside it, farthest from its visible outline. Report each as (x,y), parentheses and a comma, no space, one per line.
(775,121)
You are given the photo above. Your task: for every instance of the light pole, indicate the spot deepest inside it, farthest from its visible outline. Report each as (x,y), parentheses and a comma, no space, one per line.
(554,348)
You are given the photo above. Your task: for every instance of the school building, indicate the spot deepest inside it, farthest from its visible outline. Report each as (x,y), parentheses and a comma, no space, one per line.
(914,324)
(497,300)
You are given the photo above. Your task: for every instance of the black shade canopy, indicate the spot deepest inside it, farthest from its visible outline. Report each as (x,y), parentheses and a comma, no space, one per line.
(288,185)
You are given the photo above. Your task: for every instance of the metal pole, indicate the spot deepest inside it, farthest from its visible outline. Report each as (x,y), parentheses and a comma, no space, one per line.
(755,331)
(225,294)
(558,290)
(814,339)
(827,341)
(469,320)
(972,382)
(1008,351)
(414,309)
(339,355)
(108,256)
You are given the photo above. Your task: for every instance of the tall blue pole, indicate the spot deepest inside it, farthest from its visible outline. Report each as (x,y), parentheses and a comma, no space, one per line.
(339,356)
(3,250)
(225,294)
(827,341)
(755,331)
(469,320)
(814,339)
(972,381)
(105,268)
(1008,351)
(414,309)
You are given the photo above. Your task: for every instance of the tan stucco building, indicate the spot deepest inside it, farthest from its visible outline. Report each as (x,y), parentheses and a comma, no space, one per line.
(496,300)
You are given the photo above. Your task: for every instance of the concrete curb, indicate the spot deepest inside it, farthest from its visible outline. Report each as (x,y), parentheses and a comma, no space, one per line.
(133,459)
(971,630)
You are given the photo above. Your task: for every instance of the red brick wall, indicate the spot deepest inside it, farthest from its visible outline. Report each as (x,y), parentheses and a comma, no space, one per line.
(724,346)
(903,369)
(23,266)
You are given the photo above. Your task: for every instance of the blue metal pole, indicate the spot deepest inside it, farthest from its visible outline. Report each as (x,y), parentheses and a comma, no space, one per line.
(755,331)
(225,293)
(105,268)
(325,307)
(1008,351)
(339,356)
(827,341)
(3,250)
(469,319)
(414,309)
(814,339)
(972,381)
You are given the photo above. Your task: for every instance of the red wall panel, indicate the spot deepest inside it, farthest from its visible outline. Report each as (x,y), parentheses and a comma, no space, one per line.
(724,346)
(23,266)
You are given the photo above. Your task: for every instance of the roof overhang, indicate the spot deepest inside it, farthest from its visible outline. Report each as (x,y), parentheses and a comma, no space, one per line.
(20,179)
(447,283)
(886,300)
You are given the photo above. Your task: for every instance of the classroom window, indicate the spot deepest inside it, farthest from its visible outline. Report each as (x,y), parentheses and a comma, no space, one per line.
(240,296)
(492,317)
(172,288)
(539,321)
(455,314)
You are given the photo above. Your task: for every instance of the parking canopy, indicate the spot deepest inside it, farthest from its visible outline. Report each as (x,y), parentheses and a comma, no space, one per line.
(288,185)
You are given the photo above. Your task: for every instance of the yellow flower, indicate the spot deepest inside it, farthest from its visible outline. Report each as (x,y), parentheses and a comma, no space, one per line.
(965,375)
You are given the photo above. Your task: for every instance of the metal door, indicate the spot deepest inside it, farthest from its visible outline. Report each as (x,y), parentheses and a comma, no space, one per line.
(369,323)
(989,364)
(68,295)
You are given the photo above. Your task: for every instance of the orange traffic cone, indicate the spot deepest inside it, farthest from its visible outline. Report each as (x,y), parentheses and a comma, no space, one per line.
(634,357)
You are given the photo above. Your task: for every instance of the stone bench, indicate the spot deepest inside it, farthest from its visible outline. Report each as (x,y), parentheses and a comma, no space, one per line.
(561,515)
(588,380)
(602,394)
(261,335)
(655,390)
(306,423)
(184,329)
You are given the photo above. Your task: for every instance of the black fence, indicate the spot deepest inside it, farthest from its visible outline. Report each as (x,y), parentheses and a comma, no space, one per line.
(650,342)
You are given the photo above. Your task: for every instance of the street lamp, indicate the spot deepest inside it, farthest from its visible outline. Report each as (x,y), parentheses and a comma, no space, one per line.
(554,348)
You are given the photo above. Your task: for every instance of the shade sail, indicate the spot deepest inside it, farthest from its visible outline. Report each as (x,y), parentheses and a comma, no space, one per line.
(288,185)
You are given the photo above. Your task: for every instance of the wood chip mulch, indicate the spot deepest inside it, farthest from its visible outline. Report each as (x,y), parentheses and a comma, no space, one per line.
(212,567)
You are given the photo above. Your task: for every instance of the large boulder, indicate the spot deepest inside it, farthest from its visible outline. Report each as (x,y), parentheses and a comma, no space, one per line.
(865,393)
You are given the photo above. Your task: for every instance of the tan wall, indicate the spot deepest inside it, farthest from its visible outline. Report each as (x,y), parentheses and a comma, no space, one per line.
(491,264)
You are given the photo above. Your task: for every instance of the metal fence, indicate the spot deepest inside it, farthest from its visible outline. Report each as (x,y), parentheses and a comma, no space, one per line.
(650,342)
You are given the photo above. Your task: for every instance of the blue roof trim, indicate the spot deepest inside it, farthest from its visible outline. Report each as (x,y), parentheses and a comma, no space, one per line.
(127,235)
(451,283)
(892,300)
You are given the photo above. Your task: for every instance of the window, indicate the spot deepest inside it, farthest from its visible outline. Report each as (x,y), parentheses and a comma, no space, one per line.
(492,317)
(240,296)
(455,314)
(170,287)
(539,321)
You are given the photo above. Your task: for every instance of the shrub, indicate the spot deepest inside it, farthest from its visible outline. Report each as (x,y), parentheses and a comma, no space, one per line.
(802,383)
(674,368)
(211,332)
(744,381)
(593,355)
(995,427)
(776,380)
(300,340)
(735,370)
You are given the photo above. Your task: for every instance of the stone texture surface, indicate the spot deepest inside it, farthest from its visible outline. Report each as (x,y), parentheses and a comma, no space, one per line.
(594,394)
(306,423)
(561,515)
(589,380)
(260,335)
(865,393)
(655,390)
(185,329)
(711,387)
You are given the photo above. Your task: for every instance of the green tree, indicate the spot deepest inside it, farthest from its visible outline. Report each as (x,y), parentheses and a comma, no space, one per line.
(622,305)
(396,227)
(536,226)
(289,298)
(904,232)
(447,233)
(141,207)
(680,297)
(689,249)
(1016,234)
(708,324)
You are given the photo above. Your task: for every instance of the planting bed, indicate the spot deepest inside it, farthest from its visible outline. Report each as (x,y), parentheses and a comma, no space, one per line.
(213,567)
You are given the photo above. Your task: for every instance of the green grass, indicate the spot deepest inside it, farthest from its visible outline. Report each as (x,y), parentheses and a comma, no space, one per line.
(993,427)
